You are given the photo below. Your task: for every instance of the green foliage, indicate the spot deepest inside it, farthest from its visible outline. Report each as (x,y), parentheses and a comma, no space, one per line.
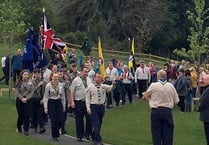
(11,22)
(198,37)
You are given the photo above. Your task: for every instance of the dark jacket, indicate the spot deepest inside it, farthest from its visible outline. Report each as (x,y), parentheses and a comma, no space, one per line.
(181,86)
(203,107)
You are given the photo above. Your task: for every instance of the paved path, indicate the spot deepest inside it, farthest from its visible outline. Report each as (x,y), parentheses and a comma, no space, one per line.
(63,140)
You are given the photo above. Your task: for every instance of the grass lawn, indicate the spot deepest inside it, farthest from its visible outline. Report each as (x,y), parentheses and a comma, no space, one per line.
(8,134)
(130,125)
(126,125)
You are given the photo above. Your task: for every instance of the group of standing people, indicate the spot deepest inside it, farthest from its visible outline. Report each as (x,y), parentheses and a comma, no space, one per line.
(87,95)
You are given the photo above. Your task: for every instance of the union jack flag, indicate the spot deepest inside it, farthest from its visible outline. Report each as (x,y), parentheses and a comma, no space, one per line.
(49,40)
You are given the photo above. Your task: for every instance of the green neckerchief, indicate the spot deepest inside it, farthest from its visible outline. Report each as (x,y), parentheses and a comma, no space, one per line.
(84,82)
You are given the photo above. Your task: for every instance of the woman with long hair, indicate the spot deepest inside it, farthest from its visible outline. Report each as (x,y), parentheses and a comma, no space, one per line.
(24,90)
(54,104)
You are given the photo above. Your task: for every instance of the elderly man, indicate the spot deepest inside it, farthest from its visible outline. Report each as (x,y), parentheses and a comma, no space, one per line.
(161,96)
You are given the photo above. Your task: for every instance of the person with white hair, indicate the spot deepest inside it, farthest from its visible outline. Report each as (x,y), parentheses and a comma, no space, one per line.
(127,78)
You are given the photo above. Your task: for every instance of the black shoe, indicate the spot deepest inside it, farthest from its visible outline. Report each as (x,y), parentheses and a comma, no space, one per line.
(63,131)
(42,131)
(26,133)
(79,139)
(87,137)
(54,139)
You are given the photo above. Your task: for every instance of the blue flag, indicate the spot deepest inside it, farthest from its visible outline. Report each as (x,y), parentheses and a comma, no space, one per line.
(33,56)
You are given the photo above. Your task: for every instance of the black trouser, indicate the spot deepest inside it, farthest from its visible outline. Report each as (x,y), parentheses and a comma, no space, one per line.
(4,71)
(55,110)
(116,97)
(181,103)
(80,112)
(15,74)
(206,128)
(23,111)
(37,113)
(64,118)
(127,90)
(98,112)
(109,99)
(142,86)
(162,126)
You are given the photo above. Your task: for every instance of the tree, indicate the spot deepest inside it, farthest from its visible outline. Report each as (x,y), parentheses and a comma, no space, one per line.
(11,22)
(199,32)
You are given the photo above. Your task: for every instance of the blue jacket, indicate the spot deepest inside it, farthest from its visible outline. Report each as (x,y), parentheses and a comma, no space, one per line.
(181,86)
(16,62)
(203,107)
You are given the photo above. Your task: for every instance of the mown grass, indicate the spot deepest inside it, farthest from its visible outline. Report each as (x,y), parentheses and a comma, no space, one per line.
(130,125)
(8,118)
(125,125)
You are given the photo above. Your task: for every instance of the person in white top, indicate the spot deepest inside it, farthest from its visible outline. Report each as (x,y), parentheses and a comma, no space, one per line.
(95,99)
(162,97)
(112,73)
(142,78)
(127,78)
(3,59)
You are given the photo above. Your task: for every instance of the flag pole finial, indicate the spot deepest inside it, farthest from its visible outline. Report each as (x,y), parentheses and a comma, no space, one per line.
(43,10)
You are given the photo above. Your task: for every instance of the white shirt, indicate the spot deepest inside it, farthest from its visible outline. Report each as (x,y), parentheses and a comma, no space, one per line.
(3,61)
(142,74)
(111,73)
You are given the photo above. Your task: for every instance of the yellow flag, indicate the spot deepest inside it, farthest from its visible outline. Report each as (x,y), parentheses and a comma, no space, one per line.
(101,59)
(130,62)
(132,46)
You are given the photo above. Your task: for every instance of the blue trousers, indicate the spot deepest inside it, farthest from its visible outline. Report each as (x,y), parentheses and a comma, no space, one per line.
(98,112)
(162,126)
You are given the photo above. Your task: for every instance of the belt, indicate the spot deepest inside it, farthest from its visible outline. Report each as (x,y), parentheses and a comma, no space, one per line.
(161,107)
(82,100)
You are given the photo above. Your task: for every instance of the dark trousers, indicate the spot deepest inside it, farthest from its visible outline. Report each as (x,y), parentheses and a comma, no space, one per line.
(37,114)
(15,74)
(206,128)
(127,91)
(23,111)
(64,118)
(109,99)
(162,126)
(80,112)
(116,97)
(4,71)
(98,112)
(181,103)
(142,86)
(55,110)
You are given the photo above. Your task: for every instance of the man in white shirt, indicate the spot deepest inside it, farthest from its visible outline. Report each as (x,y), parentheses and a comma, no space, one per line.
(112,73)
(142,78)
(3,59)
(162,97)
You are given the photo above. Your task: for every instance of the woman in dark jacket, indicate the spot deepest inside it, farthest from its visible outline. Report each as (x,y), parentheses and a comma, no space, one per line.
(203,108)
(181,86)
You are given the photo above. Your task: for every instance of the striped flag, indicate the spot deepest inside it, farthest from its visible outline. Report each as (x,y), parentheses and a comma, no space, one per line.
(49,40)
(101,59)
(131,60)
